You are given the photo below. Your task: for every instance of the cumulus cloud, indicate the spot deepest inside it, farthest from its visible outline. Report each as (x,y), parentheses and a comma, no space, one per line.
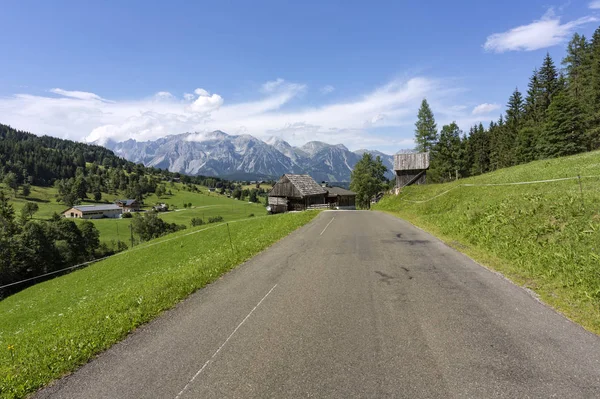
(327,89)
(202,92)
(485,108)
(356,122)
(594,5)
(545,32)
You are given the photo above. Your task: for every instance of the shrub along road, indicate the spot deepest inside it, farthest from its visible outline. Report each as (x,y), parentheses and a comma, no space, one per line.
(354,304)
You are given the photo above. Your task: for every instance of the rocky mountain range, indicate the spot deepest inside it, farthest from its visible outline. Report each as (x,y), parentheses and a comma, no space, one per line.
(243,156)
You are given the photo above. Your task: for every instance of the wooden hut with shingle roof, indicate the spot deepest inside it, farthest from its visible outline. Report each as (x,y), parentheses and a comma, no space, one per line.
(296,193)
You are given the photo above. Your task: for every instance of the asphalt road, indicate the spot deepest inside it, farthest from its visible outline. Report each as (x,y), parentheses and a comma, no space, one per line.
(355,304)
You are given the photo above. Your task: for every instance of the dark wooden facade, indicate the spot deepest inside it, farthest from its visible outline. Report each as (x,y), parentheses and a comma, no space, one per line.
(411,168)
(341,198)
(296,193)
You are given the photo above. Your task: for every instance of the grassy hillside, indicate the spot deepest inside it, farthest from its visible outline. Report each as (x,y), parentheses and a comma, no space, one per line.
(204,205)
(52,328)
(541,235)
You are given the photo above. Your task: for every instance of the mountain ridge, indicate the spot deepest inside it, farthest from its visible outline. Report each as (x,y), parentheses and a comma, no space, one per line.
(243,156)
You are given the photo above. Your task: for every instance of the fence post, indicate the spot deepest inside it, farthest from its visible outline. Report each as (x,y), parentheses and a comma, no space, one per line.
(581,191)
(230,242)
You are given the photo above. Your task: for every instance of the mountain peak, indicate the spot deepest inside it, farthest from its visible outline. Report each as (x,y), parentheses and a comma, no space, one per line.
(220,154)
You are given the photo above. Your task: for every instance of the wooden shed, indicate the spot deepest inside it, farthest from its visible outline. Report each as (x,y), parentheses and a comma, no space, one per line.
(340,198)
(296,193)
(411,168)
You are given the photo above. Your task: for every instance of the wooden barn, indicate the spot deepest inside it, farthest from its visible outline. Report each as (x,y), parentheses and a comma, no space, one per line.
(296,193)
(340,198)
(410,168)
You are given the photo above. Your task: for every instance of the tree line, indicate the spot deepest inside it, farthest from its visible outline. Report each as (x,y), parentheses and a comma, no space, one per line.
(29,248)
(558,115)
(28,159)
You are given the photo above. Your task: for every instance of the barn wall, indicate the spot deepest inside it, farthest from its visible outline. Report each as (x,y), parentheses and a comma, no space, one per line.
(416,161)
(284,189)
(403,177)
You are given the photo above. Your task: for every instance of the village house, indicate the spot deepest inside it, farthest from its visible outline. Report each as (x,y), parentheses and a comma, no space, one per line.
(410,168)
(296,193)
(128,205)
(93,211)
(340,198)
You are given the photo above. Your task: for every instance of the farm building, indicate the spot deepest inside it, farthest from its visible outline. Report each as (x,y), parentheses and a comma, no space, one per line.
(341,198)
(128,205)
(93,211)
(296,193)
(410,168)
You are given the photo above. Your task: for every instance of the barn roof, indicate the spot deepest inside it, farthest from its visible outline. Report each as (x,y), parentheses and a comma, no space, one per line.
(305,185)
(333,191)
(96,208)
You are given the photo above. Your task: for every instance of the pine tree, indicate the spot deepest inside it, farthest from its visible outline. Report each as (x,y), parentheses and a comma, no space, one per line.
(563,131)
(448,152)
(480,147)
(426,130)
(532,107)
(593,117)
(548,78)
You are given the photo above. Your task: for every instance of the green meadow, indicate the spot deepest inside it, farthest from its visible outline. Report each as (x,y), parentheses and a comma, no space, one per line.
(204,205)
(543,236)
(52,328)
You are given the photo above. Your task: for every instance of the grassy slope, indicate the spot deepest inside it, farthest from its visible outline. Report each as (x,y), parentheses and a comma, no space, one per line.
(538,235)
(204,205)
(53,327)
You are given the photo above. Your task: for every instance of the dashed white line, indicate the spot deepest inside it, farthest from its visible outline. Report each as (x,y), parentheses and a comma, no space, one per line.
(327,226)
(223,344)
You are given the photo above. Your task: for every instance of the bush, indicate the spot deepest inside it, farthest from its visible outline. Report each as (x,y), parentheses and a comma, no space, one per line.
(197,222)
(126,215)
(215,219)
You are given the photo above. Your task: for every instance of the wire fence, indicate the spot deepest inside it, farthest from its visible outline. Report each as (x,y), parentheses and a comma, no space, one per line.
(502,184)
(140,247)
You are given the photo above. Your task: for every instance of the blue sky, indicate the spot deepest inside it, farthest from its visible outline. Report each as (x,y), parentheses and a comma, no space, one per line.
(350,72)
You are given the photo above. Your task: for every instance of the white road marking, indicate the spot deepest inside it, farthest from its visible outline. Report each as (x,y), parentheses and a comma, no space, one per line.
(223,344)
(327,226)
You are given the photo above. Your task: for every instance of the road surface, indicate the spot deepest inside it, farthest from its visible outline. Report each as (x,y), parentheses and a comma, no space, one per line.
(354,304)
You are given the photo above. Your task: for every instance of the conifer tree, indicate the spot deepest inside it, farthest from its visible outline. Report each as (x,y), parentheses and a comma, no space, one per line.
(426,134)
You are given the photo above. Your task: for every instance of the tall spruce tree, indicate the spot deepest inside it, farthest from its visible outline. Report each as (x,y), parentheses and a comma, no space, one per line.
(549,83)
(426,134)
(593,117)
(563,132)
(480,148)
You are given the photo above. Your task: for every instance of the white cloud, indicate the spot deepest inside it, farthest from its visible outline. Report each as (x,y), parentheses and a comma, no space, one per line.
(202,92)
(272,85)
(485,108)
(163,95)
(357,122)
(542,33)
(81,95)
(594,5)
(327,89)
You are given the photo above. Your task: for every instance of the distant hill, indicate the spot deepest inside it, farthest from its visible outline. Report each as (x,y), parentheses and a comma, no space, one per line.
(42,160)
(243,156)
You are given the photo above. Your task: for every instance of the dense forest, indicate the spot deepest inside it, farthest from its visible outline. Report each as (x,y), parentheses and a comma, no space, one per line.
(79,170)
(558,115)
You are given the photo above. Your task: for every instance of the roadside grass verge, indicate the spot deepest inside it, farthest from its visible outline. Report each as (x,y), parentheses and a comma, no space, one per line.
(541,235)
(52,328)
